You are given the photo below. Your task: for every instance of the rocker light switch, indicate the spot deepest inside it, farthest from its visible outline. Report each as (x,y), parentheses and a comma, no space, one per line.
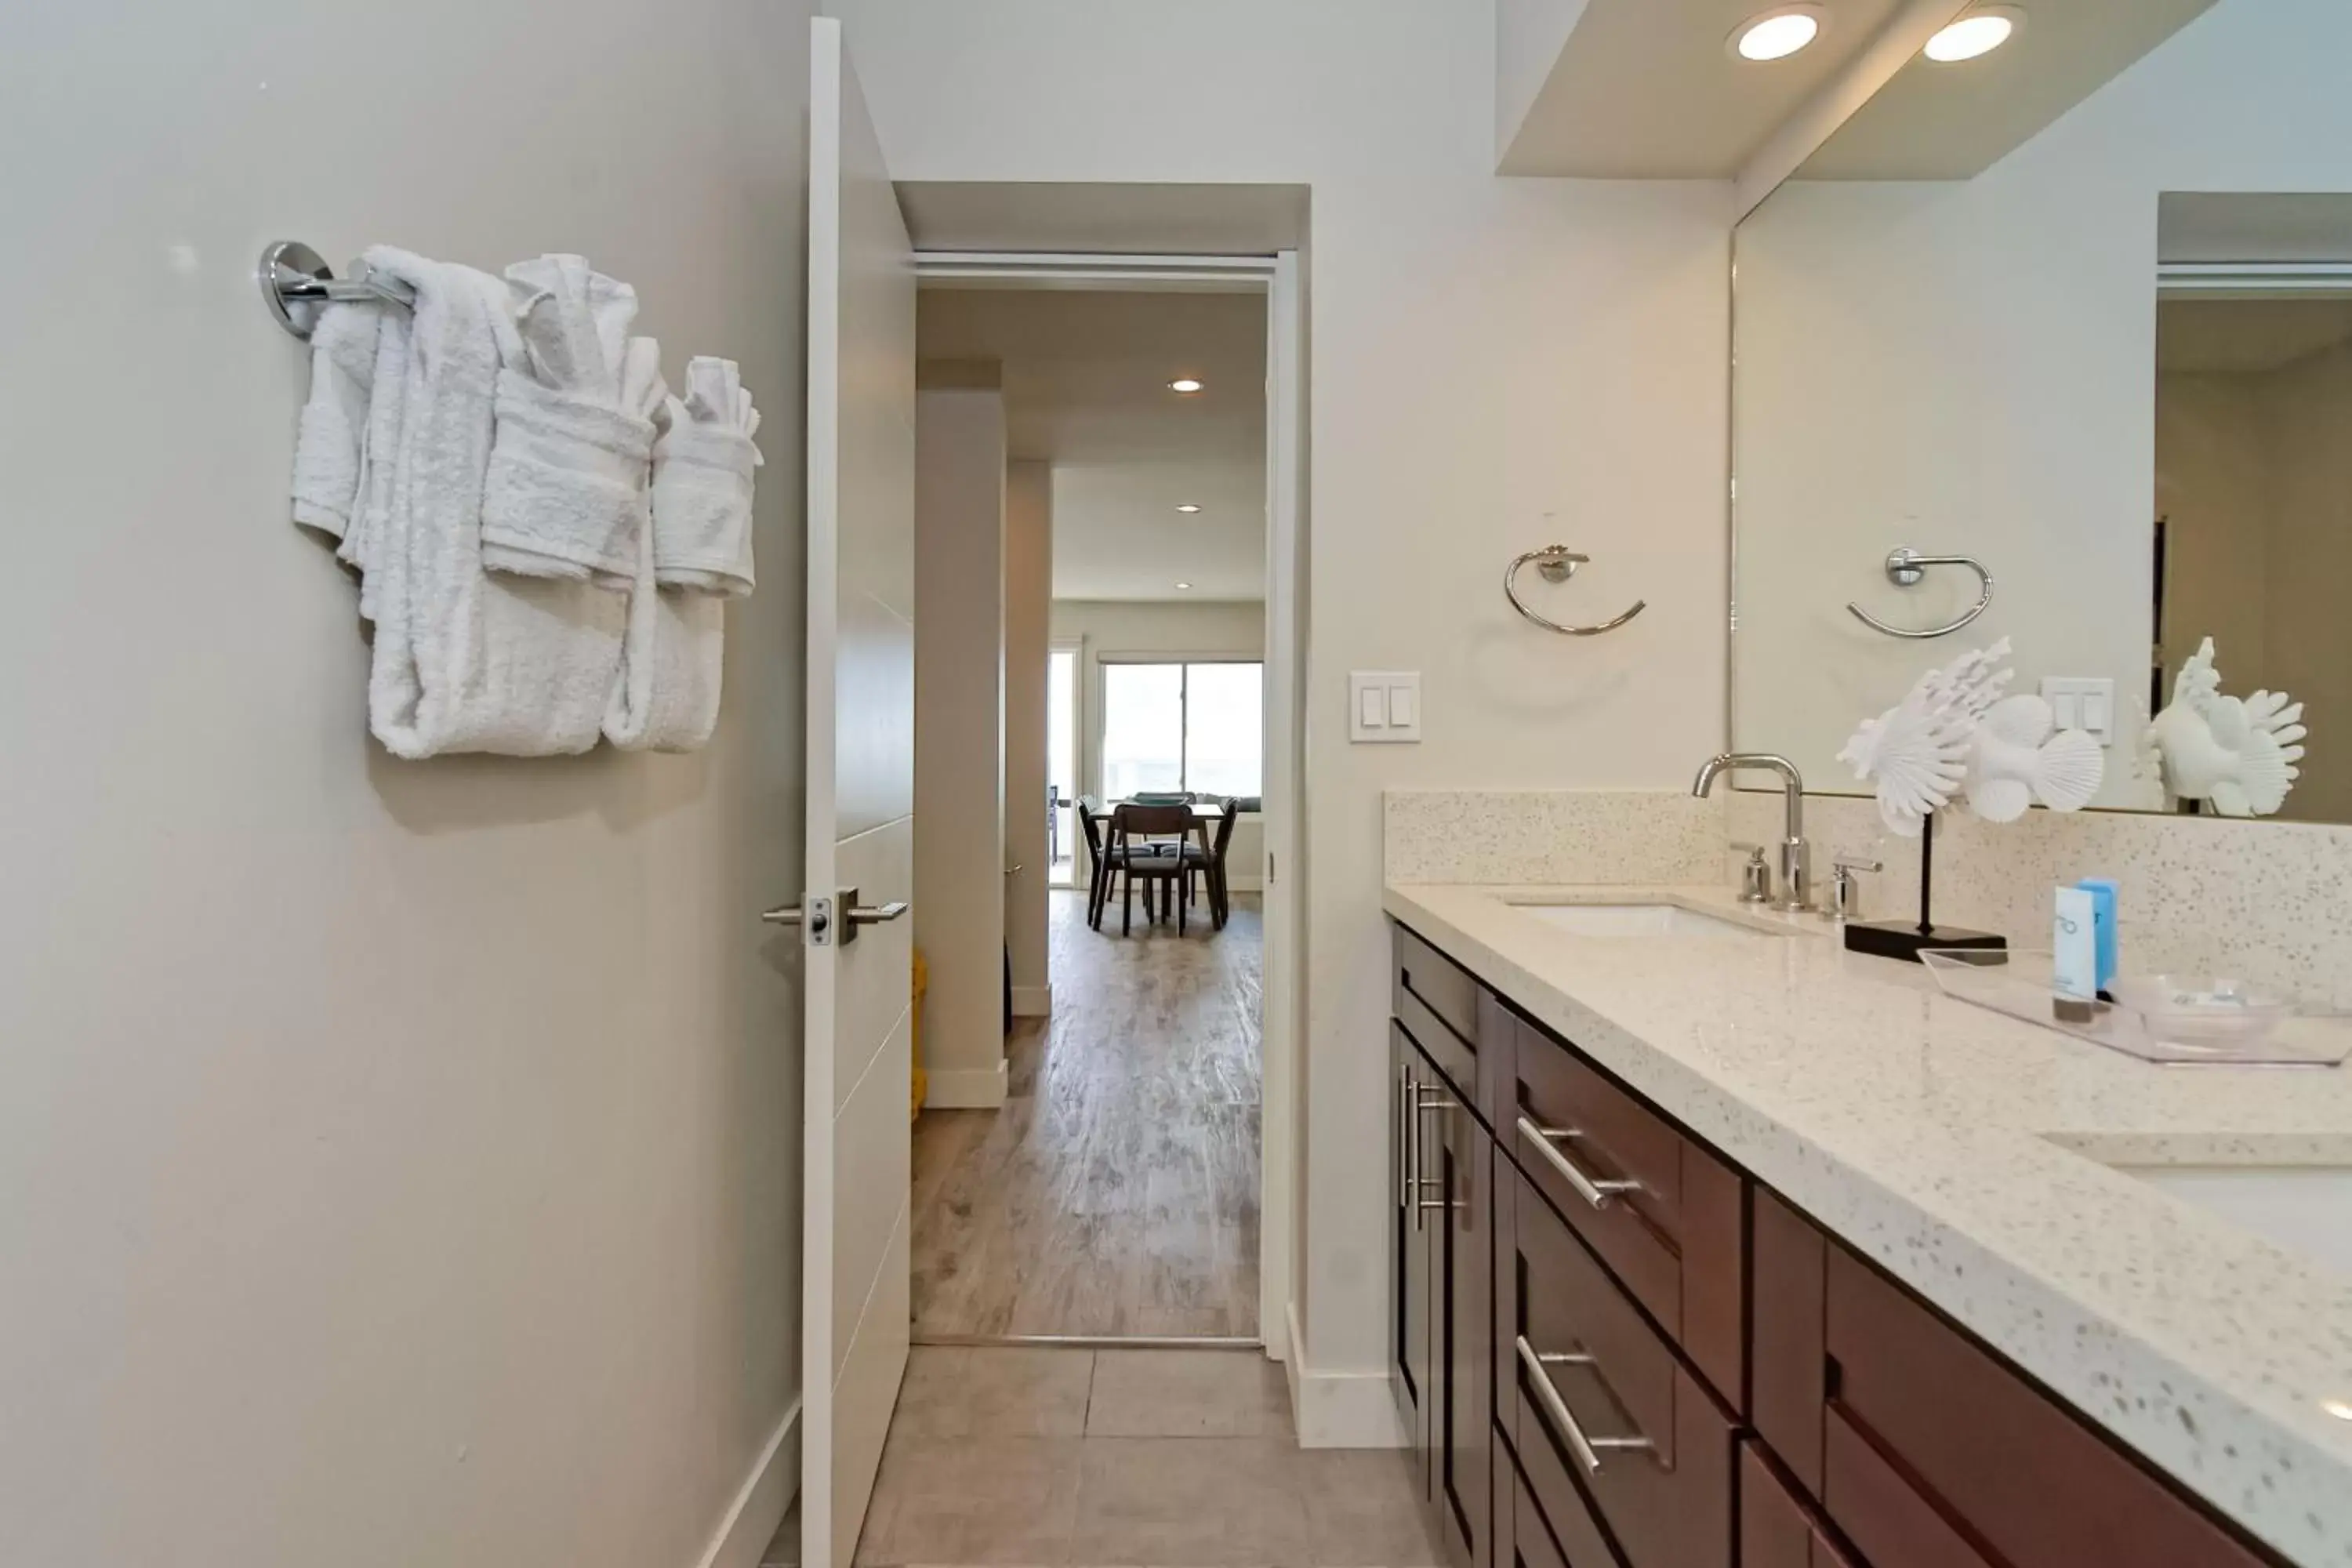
(2082,703)
(1384,705)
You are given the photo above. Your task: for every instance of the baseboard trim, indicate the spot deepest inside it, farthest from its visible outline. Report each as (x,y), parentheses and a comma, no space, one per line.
(1033,1001)
(1294,1345)
(761,1505)
(1343,1409)
(966,1088)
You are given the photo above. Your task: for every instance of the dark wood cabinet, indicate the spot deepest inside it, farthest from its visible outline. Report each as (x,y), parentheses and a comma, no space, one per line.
(1613,1349)
(1409,1360)
(1462,1432)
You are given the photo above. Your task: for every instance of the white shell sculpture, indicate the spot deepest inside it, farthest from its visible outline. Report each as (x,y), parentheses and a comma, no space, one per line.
(2020,756)
(2238,754)
(1918,751)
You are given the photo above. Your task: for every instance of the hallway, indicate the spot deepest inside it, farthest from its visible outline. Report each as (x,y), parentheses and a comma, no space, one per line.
(1115,1192)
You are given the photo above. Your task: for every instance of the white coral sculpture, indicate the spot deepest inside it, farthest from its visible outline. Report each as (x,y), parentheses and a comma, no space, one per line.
(1916,752)
(2238,755)
(1956,734)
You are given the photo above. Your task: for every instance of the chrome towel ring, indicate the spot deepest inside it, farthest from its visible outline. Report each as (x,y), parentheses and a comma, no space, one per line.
(1558,563)
(1905,567)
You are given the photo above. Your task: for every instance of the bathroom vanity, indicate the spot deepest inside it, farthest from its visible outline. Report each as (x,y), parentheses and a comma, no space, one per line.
(1716,1245)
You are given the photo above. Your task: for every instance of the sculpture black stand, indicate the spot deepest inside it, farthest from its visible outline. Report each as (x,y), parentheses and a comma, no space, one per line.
(1904,939)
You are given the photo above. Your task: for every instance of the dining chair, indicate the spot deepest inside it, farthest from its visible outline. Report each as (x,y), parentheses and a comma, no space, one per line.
(1098,863)
(1221,899)
(1132,826)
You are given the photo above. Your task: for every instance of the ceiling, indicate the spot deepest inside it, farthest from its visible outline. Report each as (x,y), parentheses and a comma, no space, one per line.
(1644,90)
(1086,388)
(1954,122)
(2238,337)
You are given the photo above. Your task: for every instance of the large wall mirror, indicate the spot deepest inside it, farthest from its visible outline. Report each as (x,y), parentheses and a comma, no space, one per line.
(2071,319)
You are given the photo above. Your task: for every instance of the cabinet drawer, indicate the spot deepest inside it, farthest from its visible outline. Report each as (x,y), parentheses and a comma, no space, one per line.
(1665,1215)
(1443,985)
(1599,1404)
(2038,1487)
(1545,1524)
(1777,1530)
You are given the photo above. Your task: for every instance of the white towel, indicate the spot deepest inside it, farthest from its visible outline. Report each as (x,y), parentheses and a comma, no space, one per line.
(667,698)
(464,660)
(566,491)
(703,483)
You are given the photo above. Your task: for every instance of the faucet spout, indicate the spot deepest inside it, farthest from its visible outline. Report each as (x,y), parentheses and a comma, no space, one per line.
(1795,856)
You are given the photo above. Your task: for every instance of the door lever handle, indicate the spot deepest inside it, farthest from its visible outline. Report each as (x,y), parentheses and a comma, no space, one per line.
(859,915)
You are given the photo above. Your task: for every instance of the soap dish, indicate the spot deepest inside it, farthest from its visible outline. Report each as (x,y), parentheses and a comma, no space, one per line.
(2175,1020)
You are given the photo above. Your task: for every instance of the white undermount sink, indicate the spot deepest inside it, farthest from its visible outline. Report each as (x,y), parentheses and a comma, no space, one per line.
(1641,919)
(2305,1209)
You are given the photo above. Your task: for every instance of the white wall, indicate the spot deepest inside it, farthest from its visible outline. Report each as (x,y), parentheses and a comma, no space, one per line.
(399,1162)
(1129,627)
(1484,351)
(960,473)
(1971,365)
(1028,605)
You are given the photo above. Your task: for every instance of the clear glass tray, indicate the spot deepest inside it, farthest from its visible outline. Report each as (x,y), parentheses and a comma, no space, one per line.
(2018,983)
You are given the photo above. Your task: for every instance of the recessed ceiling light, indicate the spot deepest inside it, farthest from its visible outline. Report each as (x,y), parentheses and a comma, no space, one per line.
(1184,383)
(1980,32)
(1185,585)
(2339,1408)
(1777,34)
(1188,506)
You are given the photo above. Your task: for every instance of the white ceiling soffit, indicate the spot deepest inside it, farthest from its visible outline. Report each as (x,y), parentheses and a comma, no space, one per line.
(1104,219)
(1086,388)
(1643,89)
(1954,122)
(2253,226)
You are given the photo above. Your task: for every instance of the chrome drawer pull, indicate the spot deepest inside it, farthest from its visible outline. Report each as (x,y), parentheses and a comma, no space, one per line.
(1587,1450)
(1547,1141)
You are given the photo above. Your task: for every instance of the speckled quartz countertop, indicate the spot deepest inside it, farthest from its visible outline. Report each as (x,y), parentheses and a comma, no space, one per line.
(1957,1149)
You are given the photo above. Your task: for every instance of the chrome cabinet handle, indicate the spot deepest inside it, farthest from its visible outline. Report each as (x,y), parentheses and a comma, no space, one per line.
(1905,567)
(1446,1103)
(1586,1449)
(1547,1141)
(1422,1103)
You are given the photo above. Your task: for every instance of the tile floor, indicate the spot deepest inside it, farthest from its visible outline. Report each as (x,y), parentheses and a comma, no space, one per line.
(1147,1458)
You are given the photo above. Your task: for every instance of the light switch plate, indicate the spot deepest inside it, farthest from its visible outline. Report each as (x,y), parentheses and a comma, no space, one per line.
(2085,703)
(1384,706)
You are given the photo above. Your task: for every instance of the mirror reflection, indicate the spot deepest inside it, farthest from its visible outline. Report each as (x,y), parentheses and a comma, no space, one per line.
(2054,344)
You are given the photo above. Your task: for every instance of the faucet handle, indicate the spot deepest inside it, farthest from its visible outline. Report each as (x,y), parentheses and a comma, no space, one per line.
(1842,889)
(1756,876)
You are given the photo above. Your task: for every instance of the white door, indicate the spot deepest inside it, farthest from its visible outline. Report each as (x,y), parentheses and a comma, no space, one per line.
(861,793)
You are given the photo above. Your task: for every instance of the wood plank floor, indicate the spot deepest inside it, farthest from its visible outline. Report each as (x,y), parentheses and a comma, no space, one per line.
(1116,1192)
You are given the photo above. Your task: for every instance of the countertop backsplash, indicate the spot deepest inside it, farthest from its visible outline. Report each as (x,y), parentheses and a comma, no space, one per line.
(2263,900)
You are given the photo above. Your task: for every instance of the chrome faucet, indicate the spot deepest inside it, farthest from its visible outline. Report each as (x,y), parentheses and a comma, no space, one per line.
(1796,871)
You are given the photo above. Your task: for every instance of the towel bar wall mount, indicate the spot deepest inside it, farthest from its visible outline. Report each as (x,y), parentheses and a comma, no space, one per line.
(297,283)
(1558,563)
(1905,568)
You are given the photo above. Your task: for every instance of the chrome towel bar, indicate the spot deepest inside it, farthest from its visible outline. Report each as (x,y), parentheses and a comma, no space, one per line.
(1905,567)
(1558,563)
(296,281)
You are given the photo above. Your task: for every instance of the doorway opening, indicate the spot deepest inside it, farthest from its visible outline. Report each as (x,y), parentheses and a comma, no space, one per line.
(1126,1178)
(1062,831)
